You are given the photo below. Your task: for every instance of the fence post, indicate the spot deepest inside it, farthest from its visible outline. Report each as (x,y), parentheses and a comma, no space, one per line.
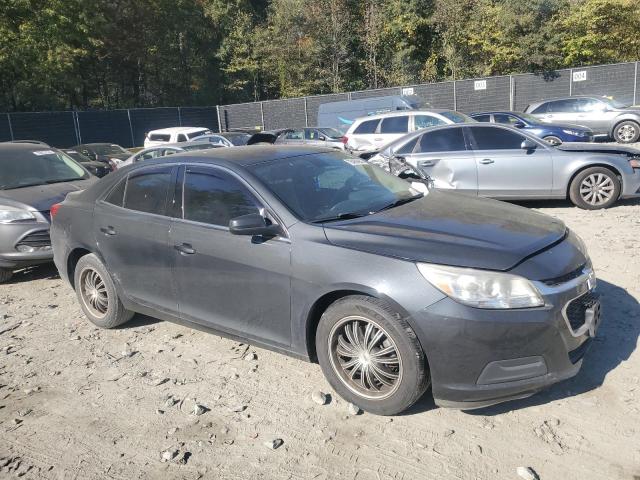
(10,126)
(179,117)
(455,98)
(306,115)
(349,96)
(219,121)
(511,92)
(635,85)
(133,142)
(570,81)
(262,115)
(76,120)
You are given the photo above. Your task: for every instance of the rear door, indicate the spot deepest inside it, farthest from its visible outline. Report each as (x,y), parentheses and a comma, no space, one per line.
(507,170)
(390,129)
(594,114)
(235,283)
(132,231)
(444,156)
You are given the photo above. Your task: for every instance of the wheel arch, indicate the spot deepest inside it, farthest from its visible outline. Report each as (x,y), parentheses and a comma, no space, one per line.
(623,118)
(74,257)
(582,168)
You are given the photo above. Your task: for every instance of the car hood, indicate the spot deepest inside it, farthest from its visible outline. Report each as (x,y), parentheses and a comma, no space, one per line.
(613,148)
(118,156)
(41,197)
(451,229)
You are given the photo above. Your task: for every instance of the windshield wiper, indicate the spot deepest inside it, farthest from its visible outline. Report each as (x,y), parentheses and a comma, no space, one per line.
(401,201)
(342,216)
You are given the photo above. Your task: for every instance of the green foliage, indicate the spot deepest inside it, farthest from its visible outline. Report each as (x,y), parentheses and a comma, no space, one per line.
(57,54)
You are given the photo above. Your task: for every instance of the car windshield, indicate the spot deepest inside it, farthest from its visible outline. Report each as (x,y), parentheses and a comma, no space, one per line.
(457,117)
(108,149)
(332,186)
(26,168)
(331,132)
(77,156)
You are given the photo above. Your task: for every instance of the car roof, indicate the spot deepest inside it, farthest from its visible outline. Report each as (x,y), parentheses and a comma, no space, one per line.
(497,112)
(178,130)
(398,113)
(23,147)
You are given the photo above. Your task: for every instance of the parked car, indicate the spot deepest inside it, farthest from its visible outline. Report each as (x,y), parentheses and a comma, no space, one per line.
(605,116)
(32,178)
(99,169)
(342,114)
(267,136)
(109,153)
(226,139)
(553,133)
(165,150)
(319,137)
(317,254)
(370,133)
(173,135)
(502,162)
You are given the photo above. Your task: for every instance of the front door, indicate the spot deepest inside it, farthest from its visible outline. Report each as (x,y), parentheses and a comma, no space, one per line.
(132,232)
(507,170)
(238,284)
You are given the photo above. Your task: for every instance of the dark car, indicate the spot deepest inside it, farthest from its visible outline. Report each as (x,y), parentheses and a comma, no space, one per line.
(317,137)
(553,133)
(99,169)
(32,178)
(103,152)
(267,136)
(317,254)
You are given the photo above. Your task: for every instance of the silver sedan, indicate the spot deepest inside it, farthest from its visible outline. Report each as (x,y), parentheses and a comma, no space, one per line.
(502,162)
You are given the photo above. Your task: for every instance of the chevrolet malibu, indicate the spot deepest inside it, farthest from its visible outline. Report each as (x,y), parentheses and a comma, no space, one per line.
(322,256)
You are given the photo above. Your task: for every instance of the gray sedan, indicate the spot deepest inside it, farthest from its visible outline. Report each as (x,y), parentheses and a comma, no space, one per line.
(505,163)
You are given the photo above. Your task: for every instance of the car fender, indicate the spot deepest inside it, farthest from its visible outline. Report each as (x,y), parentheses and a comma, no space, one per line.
(569,164)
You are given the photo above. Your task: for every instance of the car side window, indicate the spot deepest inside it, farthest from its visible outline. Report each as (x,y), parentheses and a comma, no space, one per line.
(542,108)
(407,148)
(147,191)
(311,134)
(491,138)
(425,121)
(294,135)
(590,105)
(398,124)
(368,126)
(116,196)
(482,118)
(568,105)
(505,119)
(215,197)
(182,137)
(445,140)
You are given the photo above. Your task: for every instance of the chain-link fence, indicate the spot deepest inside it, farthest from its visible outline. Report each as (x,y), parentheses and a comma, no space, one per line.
(512,92)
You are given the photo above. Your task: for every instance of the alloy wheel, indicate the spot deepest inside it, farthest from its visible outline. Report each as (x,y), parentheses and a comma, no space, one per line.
(93,292)
(597,189)
(626,132)
(365,357)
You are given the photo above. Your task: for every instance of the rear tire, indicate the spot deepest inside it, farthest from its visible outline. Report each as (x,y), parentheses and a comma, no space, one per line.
(371,356)
(626,132)
(5,274)
(595,188)
(97,294)
(552,140)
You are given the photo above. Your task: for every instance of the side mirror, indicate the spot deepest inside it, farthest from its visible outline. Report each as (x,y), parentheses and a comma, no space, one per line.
(253,224)
(519,125)
(528,145)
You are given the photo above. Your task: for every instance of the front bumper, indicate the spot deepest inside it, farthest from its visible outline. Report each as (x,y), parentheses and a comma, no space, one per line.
(631,184)
(483,357)
(23,245)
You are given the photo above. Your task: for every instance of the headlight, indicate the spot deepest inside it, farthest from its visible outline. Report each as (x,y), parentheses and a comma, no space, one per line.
(12,214)
(575,133)
(482,289)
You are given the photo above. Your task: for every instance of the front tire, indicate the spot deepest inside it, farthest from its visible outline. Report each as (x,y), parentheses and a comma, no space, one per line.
(626,132)
(552,140)
(5,274)
(97,294)
(371,356)
(595,188)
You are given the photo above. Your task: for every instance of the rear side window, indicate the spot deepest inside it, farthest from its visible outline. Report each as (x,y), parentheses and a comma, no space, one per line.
(541,108)
(215,197)
(160,137)
(446,140)
(407,148)
(368,126)
(506,119)
(395,124)
(482,118)
(147,191)
(182,137)
(116,196)
(491,138)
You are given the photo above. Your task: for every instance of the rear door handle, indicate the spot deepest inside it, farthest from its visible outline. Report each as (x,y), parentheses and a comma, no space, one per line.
(428,163)
(110,231)
(486,161)
(185,249)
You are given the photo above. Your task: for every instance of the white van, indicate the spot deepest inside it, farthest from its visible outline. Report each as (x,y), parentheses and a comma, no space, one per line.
(368,134)
(173,135)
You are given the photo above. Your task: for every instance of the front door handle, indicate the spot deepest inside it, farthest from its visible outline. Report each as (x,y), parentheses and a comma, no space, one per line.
(428,163)
(109,230)
(185,249)
(486,161)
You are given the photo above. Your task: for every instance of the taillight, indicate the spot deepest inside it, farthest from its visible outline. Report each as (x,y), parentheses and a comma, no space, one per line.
(344,139)
(54,210)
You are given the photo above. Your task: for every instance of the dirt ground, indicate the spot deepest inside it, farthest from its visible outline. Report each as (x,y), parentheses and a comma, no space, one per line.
(81,403)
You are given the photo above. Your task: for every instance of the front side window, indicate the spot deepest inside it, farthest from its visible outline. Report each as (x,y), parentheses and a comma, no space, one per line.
(182,137)
(368,126)
(490,138)
(198,133)
(445,140)
(482,118)
(311,134)
(395,124)
(506,119)
(425,121)
(590,105)
(147,191)
(215,197)
(569,105)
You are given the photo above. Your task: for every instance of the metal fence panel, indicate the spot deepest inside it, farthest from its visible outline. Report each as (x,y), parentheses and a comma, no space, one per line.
(610,80)
(5,129)
(380,92)
(313,103)
(55,128)
(241,116)
(483,94)
(284,113)
(531,87)
(105,126)
(145,119)
(199,117)
(636,91)
(438,95)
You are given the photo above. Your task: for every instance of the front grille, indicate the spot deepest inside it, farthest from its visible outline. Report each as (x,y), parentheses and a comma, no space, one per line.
(36,239)
(577,308)
(566,277)
(577,354)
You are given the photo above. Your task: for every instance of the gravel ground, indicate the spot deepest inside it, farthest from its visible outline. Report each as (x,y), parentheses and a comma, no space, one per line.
(158,400)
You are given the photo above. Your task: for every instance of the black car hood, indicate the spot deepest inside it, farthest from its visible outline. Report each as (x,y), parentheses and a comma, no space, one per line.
(41,197)
(451,229)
